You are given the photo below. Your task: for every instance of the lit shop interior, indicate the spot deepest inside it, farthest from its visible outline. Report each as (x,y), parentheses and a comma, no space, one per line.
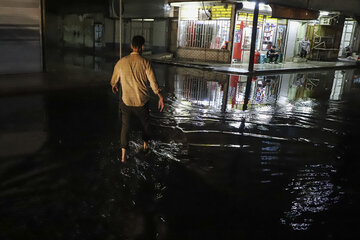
(213,32)
(205,30)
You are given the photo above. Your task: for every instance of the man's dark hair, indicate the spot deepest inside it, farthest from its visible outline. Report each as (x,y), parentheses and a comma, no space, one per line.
(138,41)
(273,46)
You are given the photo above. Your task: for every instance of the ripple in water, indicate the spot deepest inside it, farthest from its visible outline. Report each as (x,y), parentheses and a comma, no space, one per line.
(313,193)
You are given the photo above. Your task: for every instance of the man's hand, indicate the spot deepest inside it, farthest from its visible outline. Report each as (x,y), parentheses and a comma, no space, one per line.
(161,103)
(115,89)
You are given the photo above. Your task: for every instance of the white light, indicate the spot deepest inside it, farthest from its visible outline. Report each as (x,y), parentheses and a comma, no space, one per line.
(143,19)
(167,7)
(324,13)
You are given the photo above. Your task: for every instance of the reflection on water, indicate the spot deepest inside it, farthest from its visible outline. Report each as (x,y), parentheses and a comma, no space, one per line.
(291,111)
(264,90)
(196,90)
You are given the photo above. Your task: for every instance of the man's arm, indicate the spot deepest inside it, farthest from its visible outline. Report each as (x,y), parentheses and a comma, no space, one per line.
(161,102)
(154,85)
(115,78)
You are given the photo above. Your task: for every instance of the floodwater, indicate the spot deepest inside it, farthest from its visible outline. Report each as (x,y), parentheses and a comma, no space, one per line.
(286,168)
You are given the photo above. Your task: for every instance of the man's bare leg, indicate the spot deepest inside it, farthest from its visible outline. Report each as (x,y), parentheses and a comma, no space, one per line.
(145,146)
(123,151)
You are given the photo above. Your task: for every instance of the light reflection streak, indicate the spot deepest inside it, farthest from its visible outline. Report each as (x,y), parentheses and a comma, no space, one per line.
(313,192)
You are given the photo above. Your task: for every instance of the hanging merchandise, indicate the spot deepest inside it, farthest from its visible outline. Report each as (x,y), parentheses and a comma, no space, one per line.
(237,52)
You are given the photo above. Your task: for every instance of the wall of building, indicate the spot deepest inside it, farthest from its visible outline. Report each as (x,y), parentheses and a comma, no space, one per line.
(204,55)
(173,32)
(351,7)
(356,39)
(148,9)
(109,32)
(78,30)
(155,32)
(291,39)
(20,36)
(331,35)
(54,31)
(160,38)
(301,33)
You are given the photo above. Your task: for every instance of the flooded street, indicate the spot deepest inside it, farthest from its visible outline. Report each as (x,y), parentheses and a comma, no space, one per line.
(286,168)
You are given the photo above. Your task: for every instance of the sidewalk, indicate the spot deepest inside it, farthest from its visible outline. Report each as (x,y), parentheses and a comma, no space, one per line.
(242,68)
(64,75)
(111,55)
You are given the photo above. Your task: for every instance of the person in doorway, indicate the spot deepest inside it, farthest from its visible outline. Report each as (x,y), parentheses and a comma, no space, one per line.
(272,55)
(347,51)
(134,72)
(225,45)
(304,47)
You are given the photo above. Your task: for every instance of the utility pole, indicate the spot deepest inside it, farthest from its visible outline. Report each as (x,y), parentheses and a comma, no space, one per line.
(43,35)
(252,56)
(120,28)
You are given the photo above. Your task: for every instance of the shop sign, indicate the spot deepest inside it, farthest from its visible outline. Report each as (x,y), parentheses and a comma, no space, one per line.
(242,16)
(325,20)
(189,12)
(271,20)
(282,21)
(249,17)
(220,12)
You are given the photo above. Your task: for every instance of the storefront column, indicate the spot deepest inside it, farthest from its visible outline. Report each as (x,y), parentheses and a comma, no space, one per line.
(253,37)
(237,7)
(225,95)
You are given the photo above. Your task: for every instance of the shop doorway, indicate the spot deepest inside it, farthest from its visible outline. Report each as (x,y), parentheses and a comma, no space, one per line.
(237,46)
(347,37)
(270,32)
(98,34)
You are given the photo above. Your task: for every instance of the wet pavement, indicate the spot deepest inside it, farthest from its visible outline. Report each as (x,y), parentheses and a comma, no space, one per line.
(286,168)
(259,69)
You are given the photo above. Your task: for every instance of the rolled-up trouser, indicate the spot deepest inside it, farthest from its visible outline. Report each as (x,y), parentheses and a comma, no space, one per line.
(303,53)
(141,113)
(274,57)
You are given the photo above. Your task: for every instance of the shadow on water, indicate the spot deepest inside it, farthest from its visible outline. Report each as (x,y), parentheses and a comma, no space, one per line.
(283,169)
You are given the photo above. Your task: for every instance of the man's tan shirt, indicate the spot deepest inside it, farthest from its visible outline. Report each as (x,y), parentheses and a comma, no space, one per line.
(133,72)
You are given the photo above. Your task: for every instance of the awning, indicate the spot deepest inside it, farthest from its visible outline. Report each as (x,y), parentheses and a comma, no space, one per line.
(279,11)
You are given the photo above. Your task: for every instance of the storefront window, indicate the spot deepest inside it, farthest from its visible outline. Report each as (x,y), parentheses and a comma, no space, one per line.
(247,20)
(211,34)
(280,37)
(204,27)
(270,31)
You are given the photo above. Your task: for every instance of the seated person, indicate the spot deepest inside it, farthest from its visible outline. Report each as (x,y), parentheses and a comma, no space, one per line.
(225,45)
(272,54)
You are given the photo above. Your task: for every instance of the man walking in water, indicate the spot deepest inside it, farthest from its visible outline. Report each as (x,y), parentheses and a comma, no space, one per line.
(134,71)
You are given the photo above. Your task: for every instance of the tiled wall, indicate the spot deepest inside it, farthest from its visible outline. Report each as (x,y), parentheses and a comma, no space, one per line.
(204,55)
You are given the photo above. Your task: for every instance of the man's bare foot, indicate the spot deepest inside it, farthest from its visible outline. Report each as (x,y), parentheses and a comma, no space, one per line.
(123,153)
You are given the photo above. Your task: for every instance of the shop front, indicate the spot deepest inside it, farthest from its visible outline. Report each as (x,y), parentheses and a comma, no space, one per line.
(317,40)
(220,32)
(270,32)
(204,31)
